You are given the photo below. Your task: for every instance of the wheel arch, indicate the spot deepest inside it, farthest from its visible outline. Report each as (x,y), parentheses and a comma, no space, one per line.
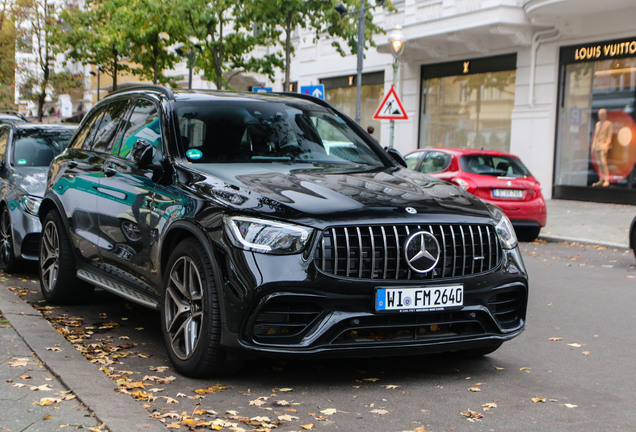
(48,203)
(181,230)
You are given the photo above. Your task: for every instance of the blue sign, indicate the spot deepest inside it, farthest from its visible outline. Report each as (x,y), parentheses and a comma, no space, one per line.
(262,89)
(315,91)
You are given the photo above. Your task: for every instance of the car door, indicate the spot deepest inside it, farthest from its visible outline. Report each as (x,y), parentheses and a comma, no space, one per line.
(125,207)
(75,179)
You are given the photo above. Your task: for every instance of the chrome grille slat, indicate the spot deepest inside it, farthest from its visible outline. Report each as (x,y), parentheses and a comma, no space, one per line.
(361,257)
(386,253)
(372,251)
(348,246)
(461,245)
(397,253)
(461,229)
(441,228)
(335,249)
(408,233)
(454,251)
(472,245)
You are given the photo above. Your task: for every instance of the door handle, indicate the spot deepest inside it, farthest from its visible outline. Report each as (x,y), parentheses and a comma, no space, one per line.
(109,170)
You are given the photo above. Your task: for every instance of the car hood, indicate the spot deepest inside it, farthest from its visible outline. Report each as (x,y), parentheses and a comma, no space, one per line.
(30,179)
(334,192)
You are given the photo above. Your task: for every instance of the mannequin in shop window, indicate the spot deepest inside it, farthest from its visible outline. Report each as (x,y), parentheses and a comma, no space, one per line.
(601,145)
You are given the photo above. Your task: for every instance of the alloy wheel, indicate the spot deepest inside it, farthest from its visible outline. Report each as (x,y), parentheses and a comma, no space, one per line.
(49,255)
(6,242)
(183,307)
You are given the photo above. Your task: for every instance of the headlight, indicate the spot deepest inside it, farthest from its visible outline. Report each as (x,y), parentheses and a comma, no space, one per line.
(265,236)
(30,204)
(504,228)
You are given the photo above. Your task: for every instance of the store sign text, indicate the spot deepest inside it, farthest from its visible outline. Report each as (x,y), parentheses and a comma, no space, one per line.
(607,50)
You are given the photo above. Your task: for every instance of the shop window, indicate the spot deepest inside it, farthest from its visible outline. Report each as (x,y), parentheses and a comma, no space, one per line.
(468,104)
(341,93)
(596,138)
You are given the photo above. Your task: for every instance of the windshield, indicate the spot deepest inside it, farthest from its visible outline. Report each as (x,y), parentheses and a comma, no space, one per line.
(268,131)
(494,165)
(38,147)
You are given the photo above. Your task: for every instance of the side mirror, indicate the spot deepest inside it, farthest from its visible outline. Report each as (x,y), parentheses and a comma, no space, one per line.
(142,153)
(396,155)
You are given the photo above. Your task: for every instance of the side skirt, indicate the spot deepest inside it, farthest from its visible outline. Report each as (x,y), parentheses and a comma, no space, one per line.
(117,287)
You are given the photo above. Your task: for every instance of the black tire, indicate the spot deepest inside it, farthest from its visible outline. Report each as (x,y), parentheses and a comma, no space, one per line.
(633,239)
(58,280)
(528,234)
(190,314)
(9,263)
(481,351)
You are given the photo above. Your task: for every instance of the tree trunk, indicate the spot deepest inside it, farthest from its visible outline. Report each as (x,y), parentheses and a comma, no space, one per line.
(288,30)
(41,97)
(115,67)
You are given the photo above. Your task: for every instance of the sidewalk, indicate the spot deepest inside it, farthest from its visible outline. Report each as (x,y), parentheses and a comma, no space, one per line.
(586,222)
(36,362)
(26,339)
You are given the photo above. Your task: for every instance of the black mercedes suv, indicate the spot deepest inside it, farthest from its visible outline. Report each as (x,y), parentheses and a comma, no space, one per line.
(273,224)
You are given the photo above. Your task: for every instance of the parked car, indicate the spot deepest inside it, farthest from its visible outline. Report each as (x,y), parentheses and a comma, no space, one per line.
(226,212)
(632,236)
(8,116)
(497,177)
(26,149)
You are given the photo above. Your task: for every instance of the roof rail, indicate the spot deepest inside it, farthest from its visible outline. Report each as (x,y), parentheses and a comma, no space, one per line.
(307,97)
(14,113)
(157,88)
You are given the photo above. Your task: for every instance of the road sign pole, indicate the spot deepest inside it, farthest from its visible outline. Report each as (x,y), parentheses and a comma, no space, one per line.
(396,65)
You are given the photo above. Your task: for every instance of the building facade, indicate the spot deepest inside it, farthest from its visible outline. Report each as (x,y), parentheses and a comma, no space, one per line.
(527,76)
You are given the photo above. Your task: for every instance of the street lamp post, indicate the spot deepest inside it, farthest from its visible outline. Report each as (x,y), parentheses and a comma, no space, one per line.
(342,10)
(397,42)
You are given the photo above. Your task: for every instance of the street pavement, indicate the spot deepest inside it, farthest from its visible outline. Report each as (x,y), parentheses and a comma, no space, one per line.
(47,385)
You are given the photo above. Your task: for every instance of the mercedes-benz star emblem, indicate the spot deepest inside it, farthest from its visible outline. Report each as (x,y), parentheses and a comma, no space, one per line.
(422,252)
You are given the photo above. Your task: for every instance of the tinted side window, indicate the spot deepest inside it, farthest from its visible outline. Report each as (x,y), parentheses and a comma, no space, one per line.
(412,160)
(435,161)
(87,130)
(144,123)
(4,136)
(108,130)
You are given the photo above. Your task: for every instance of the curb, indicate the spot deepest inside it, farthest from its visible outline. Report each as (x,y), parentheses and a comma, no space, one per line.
(91,386)
(559,239)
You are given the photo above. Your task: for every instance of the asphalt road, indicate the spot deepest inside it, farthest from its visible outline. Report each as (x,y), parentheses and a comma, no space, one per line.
(571,370)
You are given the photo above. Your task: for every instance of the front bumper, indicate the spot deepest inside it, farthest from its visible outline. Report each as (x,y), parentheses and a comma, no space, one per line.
(284,305)
(26,234)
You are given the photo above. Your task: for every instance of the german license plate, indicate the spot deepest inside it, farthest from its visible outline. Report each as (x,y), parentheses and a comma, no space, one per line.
(419,299)
(507,193)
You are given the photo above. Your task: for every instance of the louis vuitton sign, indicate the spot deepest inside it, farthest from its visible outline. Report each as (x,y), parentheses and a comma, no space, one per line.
(599,51)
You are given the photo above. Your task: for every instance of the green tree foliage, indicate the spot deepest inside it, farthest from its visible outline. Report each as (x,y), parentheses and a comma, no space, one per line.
(152,28)
(97,35)
(225,34)
(280,18)
(37,20)
(7,56)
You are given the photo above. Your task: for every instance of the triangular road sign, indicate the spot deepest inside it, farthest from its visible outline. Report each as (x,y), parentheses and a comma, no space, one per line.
(391,108)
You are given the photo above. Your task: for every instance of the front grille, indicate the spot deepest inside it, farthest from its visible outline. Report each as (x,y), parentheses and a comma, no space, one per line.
(377,252)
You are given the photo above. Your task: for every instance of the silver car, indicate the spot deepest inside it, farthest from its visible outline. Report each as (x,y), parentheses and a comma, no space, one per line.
(26,150)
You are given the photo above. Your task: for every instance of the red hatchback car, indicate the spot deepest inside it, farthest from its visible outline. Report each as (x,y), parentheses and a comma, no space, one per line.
(497,177)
